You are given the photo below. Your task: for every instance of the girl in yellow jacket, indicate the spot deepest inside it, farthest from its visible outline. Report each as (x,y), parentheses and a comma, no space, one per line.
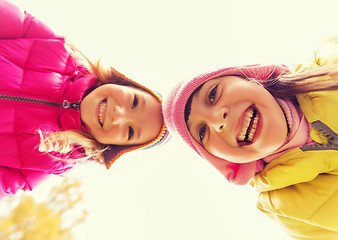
(274,128)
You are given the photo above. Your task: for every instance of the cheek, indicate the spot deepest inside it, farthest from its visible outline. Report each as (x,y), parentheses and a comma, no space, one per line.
(113,136)
(100,137)
(87,108)
(84,111)
(277,132)
(217,146)
(274,131)
(222,149)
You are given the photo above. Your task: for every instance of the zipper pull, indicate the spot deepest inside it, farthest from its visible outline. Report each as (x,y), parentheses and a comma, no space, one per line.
(75,105)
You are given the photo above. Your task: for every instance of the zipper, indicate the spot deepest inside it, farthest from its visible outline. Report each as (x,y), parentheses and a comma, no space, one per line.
(328,133)
(66,104)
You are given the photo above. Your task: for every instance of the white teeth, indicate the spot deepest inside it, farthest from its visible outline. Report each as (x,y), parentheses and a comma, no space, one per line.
(246,124)
(102,106)
(253,129)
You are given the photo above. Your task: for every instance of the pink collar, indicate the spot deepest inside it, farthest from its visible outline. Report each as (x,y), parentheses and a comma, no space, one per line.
(299,129)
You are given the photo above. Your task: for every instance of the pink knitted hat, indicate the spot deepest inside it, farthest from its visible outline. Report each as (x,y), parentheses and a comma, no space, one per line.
(174,107)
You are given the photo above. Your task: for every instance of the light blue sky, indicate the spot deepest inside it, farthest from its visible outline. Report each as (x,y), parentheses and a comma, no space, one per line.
(169,192)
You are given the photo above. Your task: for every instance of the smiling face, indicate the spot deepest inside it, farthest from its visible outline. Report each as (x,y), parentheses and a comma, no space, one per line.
(236,120)
(121,115)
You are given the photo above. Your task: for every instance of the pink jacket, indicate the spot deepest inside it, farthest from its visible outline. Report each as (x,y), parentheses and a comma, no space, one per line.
(34,64)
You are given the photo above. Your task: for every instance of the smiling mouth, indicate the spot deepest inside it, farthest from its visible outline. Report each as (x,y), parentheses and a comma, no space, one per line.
(101,109)
(249,127)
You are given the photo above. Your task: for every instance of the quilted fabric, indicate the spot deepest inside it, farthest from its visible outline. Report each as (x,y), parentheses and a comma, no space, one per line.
(33,64)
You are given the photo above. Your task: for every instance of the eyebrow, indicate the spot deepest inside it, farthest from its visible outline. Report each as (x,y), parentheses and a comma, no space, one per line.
(144,102)
(142,106)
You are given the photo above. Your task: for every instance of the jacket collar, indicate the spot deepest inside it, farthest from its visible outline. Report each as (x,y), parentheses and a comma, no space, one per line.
(75,88)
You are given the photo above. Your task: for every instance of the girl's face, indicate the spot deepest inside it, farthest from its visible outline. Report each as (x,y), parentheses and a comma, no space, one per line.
(121,115)
(236,120)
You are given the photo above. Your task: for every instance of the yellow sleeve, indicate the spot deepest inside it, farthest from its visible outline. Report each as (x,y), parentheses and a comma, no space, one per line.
(306,210)
(327,53)
(300,230)
(295,166)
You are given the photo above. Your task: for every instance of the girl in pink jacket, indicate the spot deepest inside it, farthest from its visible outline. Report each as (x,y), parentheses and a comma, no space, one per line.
(55,111)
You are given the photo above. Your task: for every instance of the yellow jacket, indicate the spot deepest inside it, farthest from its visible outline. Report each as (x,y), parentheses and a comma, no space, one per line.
(299,189)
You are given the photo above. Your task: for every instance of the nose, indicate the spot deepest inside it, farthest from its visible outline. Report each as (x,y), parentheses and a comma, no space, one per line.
(217,120)
(119,115)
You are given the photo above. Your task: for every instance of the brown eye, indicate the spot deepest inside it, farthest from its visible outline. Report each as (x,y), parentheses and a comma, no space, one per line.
(201,132)
(130,133)
(135,101)
(212,95)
